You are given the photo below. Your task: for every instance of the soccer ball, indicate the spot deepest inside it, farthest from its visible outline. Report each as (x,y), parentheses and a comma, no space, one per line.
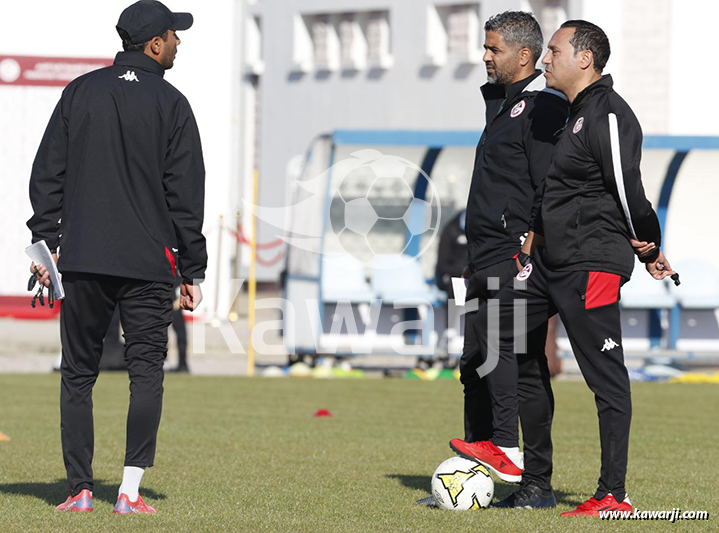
(374,211)
(459,484)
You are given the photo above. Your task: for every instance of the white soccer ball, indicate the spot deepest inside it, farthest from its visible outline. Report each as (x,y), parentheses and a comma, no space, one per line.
(459,484)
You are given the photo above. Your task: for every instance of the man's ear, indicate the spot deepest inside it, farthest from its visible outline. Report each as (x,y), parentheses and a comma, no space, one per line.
(586,59)
(525,57)
(155,45)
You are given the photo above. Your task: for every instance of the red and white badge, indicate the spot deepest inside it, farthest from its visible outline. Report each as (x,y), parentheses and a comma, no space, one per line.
(578,125)
(525,273)
(517,109)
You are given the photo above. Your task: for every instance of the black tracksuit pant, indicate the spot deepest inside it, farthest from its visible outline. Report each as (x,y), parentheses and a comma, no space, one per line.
(86,312)
(532,383)
(587,303)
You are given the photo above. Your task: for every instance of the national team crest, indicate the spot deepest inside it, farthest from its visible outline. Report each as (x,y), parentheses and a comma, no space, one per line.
(517,109)
(578,125)
(525,273)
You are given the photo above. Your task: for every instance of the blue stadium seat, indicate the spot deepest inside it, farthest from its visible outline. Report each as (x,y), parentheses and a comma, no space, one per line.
(700,284)
(343,280)
(644,292)
(695,321)
(399,276)
(646,304)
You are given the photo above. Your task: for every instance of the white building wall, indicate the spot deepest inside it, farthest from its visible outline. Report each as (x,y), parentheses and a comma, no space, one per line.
(207,71)
(693,73)
(645,77)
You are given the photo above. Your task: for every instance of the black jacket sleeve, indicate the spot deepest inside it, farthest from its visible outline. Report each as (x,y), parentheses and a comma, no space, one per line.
(547,119)
(47,179)
(616,143)
(184,183)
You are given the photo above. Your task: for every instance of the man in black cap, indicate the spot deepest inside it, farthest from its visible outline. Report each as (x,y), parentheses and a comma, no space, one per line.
(118,187)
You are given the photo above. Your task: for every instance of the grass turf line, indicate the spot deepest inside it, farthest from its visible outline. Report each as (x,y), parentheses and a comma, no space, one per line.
(240,454)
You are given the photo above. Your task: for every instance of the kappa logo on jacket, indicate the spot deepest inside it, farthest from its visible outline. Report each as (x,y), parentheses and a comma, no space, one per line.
(609,344)
(129,76)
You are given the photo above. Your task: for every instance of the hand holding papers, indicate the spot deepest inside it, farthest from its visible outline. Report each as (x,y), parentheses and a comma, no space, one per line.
(40,255)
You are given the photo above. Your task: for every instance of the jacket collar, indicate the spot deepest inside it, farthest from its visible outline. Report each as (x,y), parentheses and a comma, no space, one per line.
(602,85)
(139,60)
(510,92)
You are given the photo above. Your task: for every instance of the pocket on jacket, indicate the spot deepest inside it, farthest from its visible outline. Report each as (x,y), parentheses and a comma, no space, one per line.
(516,225)
(505,218)
(494,218)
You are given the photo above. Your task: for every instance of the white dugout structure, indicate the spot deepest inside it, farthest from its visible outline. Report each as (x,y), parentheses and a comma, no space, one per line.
(355,303)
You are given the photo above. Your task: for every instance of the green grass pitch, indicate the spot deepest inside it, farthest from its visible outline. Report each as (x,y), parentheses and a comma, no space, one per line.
(240,454)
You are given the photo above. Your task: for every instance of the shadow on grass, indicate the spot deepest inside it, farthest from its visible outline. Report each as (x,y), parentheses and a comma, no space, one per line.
(55,492)
(501,490)
(414,482)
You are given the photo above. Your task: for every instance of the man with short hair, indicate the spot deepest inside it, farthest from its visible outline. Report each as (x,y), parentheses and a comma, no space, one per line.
(118,187)
(594,212)
(512,158)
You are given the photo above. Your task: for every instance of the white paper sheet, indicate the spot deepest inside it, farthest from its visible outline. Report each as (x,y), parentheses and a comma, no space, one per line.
(40,255)
(459,285)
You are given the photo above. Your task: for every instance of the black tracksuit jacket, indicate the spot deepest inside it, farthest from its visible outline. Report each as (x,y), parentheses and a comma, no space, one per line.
(511,161)
(594,201)
(118,183)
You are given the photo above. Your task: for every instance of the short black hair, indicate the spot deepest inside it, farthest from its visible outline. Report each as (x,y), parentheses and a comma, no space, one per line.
(518,28)
(588,36)
(127,45)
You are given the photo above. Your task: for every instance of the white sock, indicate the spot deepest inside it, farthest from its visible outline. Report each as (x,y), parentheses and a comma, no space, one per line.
(131,478)
(514,455)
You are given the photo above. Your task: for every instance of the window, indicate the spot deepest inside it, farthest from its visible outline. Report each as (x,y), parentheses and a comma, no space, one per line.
(353,45)
(453,30)
(302,50)
(352,41)
(463,30)
(378,40)
(549,13)
(325,43)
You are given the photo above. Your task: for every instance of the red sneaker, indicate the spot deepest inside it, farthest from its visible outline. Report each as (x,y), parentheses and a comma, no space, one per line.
(490,456)
(82,503)
(125,506)
(592,506)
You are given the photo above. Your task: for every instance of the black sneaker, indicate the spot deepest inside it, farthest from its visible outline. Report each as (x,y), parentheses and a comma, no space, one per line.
(528,496)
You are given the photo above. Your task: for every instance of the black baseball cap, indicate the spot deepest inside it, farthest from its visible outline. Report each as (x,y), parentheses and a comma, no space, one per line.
(146,19)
